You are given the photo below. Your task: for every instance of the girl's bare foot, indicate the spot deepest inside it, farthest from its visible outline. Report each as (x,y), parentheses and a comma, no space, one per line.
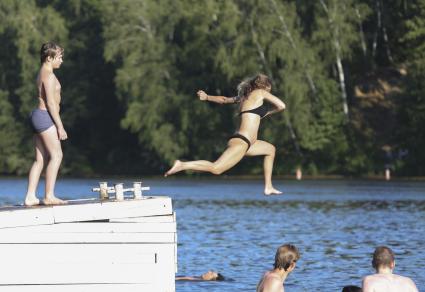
(54,201)
(31,201)
(271,191)
(176,168)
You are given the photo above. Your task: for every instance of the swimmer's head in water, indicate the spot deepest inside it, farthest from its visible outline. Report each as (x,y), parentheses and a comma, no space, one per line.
(212,276)
(286,257)
(259,81)
(383,257)
(52,50)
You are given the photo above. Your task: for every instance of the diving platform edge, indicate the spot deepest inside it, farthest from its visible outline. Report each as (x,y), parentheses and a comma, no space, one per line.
(89,245)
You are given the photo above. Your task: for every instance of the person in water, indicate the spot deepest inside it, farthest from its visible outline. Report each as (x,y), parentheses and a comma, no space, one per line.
(47,127)
(285,261)
(385,280)
(253,96)
(208,276)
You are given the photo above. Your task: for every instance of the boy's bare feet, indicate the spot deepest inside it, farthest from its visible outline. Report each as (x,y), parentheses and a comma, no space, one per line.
(54,201)
(31,201)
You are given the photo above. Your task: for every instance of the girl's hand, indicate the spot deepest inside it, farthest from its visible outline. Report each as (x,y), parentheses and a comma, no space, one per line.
(202,95)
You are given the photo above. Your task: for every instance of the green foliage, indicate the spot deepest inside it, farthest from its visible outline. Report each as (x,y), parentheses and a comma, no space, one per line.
(132,68)
(10,138)
(23,28)
(412,103)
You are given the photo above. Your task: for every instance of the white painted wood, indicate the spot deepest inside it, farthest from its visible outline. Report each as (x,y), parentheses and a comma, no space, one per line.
(85,264)
(103,190)
(119,191)
(20,237)
(176,268)
(111,209)
(148,219)
(84,210)
(49,248)
(24,216)
(137,189)
(93,227)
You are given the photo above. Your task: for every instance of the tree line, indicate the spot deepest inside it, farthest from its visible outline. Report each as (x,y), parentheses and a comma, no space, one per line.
(350,72)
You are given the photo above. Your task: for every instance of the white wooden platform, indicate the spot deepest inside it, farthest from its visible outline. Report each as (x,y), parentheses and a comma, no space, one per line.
(89,245)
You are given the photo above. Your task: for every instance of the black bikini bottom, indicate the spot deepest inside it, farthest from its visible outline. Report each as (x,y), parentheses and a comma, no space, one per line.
(242,137)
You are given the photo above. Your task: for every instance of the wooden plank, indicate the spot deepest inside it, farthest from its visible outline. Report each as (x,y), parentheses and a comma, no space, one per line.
(85,264)
(22,216)
(147,219)
(150,206)
(94,227)
(86,288)
(10,236)
(84,210)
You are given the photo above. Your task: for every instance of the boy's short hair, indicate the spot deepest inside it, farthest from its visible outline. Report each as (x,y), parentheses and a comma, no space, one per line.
(382,257)
(286,255)
(49,49)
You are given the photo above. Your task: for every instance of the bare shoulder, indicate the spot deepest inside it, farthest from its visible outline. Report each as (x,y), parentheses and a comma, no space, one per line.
(272,283)
(407,281)
(369,278)
(257,95)
(260,93)
(369,282)
(47,77)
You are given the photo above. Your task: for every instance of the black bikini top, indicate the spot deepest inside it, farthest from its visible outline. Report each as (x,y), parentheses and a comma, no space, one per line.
(262,110)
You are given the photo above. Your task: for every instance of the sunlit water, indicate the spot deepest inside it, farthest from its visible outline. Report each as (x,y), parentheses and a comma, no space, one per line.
(229,226)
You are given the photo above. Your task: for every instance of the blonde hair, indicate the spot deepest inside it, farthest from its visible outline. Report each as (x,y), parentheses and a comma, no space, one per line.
(286,255)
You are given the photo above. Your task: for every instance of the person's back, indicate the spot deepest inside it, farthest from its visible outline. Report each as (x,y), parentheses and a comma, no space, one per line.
(384,280)
(388,283)
(270,282)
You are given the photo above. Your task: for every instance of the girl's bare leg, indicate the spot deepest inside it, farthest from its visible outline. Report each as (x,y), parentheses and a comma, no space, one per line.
(268,150)
(52,143)
(34,176)
(230,157)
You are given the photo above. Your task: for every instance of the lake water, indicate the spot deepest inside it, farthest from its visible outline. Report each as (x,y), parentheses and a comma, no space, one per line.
(228,225)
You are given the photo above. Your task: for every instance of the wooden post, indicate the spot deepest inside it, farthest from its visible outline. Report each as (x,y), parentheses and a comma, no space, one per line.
(119,191)
(137,186)
(103,192)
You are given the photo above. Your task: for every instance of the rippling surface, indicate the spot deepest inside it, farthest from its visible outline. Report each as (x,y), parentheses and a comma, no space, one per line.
(229,226)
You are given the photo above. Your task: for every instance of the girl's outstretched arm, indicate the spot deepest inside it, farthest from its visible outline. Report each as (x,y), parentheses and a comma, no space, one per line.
(216,98)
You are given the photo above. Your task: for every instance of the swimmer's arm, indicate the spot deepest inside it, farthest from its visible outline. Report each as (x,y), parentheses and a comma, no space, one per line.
(275,101)
(187,278)
(53,107)
(216,98)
